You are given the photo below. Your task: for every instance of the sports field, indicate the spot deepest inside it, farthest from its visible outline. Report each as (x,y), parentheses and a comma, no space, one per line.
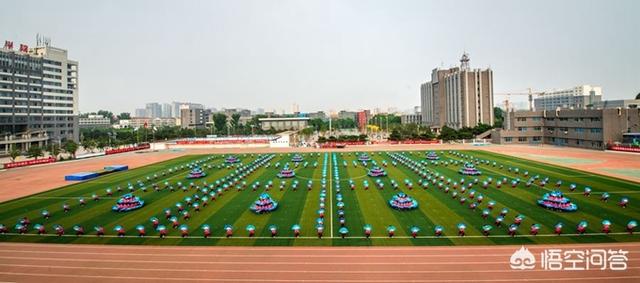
(431,183)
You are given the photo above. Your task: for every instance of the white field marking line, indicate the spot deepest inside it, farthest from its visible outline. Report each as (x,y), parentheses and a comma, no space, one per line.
(184,262)
(309,280)
(274,271)
(610,192)
(346,237)
(331,193)
(85,197)
(91,235)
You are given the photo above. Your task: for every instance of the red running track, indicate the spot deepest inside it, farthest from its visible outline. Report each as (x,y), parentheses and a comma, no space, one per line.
(104,263)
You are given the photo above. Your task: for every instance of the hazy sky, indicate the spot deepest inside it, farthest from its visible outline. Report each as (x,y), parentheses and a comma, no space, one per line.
(327,55)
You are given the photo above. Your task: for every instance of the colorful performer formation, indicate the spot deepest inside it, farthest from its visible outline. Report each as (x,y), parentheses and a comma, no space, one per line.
(469,169)
(364,157)
(377,172)
(402,201)
(286,173)
(264,204)
(128,202)
(297,158)
(196,173)
(231,159)
(432,156)
(556,201)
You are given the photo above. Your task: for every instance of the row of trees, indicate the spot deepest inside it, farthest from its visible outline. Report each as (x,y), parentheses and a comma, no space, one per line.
(411,132)
(448,134)
(344,138)
(320,125)
(53,149)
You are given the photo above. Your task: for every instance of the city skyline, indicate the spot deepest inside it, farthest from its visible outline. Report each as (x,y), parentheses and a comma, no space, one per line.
(328,55)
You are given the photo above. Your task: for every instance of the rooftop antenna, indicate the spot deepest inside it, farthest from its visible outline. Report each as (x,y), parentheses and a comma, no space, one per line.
(464,61)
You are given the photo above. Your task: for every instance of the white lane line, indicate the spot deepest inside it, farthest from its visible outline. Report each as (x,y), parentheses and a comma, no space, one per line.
(285,263)
(274,271)
(313,280)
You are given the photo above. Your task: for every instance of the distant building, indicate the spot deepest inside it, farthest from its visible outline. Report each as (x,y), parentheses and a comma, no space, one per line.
(415,118)
(318,115)
(585,128)
(154,110)
(94,121)
(578,97)
(167,110)
(347,115)
(141,122)
(140,112)
(620,103)
(283,124)
(457,97)
(177,106)
(194,118)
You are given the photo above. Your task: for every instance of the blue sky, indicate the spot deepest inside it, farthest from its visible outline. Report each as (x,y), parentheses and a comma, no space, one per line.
(327,55)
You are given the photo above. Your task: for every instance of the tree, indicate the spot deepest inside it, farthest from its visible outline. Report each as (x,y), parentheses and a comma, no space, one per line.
(124,116)
(14,153)
(70,147)
(498,117)
(107,114)
(448,134)
(101,144)
(235,121)
(638,96)
(481,128)
(35,152)
(220,122)
(54,150)
(307,132)
(395,135)
(88,144)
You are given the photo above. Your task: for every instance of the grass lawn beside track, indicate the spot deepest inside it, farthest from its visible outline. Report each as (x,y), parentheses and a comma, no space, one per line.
(361,206)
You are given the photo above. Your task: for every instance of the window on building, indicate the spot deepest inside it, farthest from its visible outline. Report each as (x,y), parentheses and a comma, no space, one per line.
(522,139)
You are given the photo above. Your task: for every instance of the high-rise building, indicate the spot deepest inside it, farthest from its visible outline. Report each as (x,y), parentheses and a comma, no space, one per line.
(38,96)
(166,110)
(140,112)
(457,97)
(194,118)
(578,97)
(176,106)
(154,110)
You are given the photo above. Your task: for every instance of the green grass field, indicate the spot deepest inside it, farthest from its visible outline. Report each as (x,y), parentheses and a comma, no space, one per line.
(361,206)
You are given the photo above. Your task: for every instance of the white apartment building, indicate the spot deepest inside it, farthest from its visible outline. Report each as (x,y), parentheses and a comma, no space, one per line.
(94,121)
(578,97)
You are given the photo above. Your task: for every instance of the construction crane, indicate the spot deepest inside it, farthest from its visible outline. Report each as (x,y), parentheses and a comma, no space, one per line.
(530,95)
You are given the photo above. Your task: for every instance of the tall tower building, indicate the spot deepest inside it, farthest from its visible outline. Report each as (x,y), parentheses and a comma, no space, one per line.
(38,95)
(458,97)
